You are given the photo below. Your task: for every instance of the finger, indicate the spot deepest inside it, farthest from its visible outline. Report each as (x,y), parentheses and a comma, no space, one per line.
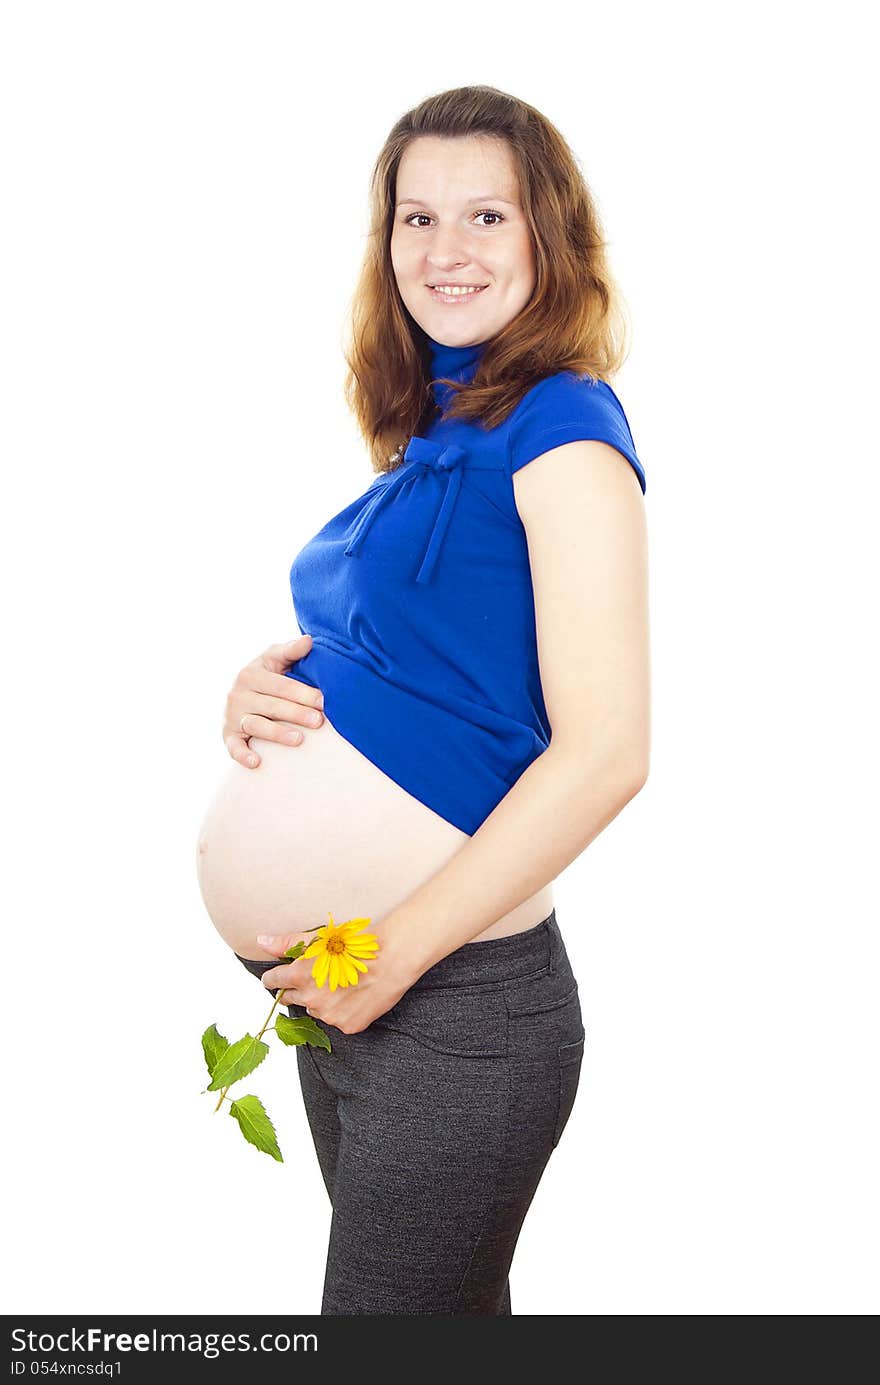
(281,655)
(281,646)
(254,725)
(288,973)
(281,978)
(287,691)
(287,996)
(240,750)
(278,943)
(285,709)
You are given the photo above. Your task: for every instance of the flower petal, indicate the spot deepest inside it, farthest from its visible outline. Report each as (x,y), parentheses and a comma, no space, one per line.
(348,971)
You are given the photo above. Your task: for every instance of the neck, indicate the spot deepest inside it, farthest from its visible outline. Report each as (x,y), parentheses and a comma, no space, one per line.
(458,362)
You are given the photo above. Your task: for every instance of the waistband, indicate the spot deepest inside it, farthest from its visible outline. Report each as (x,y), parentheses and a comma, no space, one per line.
(490,960)
(497,959)
(256,968)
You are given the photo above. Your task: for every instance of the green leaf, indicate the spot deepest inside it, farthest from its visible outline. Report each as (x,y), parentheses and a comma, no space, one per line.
(213,1046)
(255,1125)
(296,950)
(237,1061)
(302,1030)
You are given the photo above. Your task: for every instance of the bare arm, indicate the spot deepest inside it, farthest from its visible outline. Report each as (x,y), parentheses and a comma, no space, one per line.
(581,506)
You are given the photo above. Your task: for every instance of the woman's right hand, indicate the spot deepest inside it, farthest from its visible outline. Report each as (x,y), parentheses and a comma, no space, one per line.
(270,701)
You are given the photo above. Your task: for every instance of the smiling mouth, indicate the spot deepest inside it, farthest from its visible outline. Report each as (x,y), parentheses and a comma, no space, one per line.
(457,293)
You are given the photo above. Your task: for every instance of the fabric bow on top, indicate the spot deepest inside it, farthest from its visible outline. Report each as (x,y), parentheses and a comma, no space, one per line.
(429,456)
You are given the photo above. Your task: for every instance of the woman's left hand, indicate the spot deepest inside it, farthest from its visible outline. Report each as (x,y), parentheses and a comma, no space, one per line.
(349,1008)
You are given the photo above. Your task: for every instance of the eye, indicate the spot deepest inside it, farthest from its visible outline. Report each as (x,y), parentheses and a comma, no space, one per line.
(423,216)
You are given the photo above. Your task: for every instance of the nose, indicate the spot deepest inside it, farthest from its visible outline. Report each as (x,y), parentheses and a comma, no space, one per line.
(447,251)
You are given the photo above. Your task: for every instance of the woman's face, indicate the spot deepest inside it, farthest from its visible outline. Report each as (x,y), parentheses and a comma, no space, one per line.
(458,221)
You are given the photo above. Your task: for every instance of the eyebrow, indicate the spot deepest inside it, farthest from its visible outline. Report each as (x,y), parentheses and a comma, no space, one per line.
(485,197)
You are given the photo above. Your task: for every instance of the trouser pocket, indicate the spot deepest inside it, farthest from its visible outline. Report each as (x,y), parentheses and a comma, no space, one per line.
(458,1021)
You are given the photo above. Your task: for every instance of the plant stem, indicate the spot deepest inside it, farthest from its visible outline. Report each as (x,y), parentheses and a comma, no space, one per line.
(259,1036)
(281,990)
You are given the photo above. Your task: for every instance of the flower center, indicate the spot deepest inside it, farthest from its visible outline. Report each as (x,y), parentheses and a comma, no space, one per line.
(335,945)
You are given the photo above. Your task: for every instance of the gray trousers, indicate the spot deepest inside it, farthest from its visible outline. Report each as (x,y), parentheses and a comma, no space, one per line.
(434,1124)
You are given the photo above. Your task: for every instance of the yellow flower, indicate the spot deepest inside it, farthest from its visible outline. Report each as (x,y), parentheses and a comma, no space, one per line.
(338,949)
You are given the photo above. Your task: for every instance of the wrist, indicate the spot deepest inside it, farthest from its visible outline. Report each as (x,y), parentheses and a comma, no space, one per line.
(402,946)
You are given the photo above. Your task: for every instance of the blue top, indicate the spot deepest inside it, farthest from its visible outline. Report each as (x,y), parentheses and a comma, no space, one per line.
(418,598)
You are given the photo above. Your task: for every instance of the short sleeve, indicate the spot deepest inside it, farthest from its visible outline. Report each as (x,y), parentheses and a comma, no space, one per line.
(566,408)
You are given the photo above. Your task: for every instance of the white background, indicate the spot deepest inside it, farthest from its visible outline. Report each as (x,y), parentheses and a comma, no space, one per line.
(185,189)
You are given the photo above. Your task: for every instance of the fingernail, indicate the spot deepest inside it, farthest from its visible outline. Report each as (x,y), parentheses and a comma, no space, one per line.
(265,939)
(320,700)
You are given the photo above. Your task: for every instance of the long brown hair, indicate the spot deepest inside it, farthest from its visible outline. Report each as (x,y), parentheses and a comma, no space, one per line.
(576,319)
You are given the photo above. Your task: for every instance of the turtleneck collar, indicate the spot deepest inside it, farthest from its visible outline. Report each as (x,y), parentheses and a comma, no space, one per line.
(458,362)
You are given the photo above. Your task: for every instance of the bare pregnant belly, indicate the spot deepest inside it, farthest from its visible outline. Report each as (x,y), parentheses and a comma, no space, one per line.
(318,829)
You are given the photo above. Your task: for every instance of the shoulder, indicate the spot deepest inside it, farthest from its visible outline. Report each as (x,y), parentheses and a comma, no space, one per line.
(566,407)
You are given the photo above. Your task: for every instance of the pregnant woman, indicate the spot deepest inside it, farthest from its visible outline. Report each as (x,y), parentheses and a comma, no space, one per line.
(467,707)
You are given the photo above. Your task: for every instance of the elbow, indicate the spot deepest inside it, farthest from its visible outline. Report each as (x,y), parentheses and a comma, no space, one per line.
(636,778)
(624,773)
(628,777)
(634,766)
(632,756)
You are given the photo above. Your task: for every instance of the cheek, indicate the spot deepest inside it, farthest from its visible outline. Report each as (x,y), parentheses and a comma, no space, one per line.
(397,248)
(405,265)
(399,269)
(525,259)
